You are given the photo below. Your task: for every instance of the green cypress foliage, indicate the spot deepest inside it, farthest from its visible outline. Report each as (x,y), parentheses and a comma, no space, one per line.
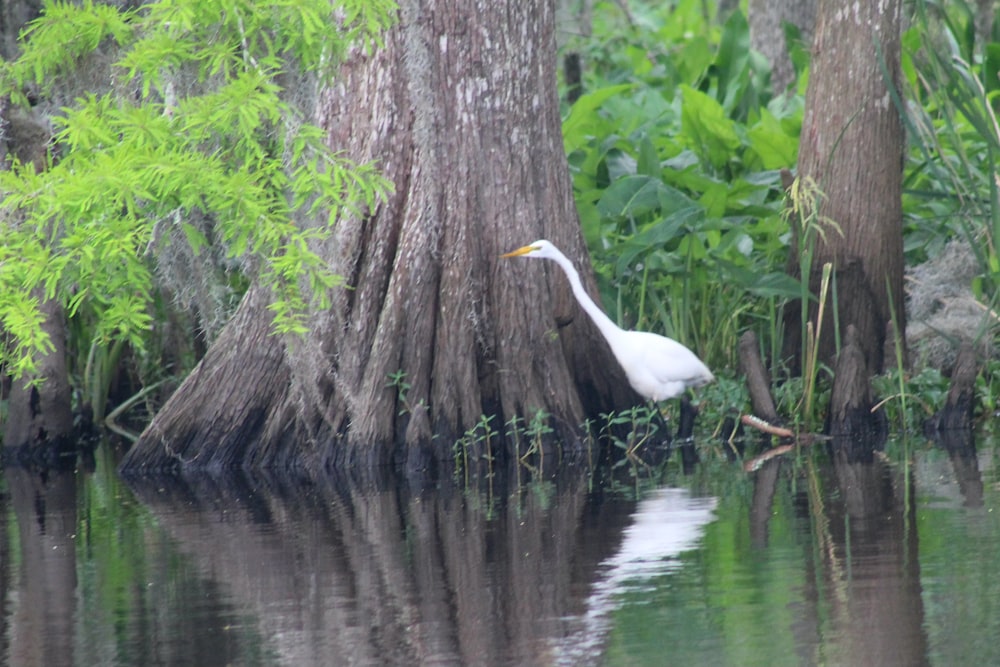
(190,137)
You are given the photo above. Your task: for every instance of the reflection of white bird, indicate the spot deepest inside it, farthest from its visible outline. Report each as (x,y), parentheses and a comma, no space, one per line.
(665,524)
(657,367)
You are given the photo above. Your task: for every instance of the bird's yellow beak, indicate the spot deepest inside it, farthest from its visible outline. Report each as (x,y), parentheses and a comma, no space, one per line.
(523,250)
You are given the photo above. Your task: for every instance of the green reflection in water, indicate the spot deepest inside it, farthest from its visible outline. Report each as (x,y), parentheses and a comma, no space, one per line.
(132,596)
(728,603)
(892,563)
(829,582)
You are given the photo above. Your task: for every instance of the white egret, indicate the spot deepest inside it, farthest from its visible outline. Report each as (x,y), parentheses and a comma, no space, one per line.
(657,367)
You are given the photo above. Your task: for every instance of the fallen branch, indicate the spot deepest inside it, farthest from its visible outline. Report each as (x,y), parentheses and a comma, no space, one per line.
(766,427)
(800,439)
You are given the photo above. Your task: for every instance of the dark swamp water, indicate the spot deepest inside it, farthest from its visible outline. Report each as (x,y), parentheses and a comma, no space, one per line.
(801,562)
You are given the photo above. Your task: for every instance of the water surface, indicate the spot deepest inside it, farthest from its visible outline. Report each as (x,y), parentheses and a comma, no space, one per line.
(802,562)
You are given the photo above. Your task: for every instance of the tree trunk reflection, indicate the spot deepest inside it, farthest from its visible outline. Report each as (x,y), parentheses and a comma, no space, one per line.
(873,566)
(45,601)
(450,577)
(961,447)
(765,483)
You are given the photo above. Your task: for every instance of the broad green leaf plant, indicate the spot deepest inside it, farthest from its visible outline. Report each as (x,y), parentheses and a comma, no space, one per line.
(190,137)
(676,150)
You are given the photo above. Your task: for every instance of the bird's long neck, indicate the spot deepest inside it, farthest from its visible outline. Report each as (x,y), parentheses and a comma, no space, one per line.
(603,322)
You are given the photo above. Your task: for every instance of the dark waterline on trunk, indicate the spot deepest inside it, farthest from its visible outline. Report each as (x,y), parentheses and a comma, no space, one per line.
(804,561)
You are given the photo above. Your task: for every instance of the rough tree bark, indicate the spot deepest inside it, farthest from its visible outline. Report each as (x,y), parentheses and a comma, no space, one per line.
(460,109)
(767,34)
(758,379)
(852,146)
(857,430)
(39,414)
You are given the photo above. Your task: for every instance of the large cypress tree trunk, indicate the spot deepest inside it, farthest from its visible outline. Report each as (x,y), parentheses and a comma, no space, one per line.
(460,109)
(852,146)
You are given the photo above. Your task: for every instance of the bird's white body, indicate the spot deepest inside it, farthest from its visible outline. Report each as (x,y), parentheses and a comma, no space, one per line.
(657,367)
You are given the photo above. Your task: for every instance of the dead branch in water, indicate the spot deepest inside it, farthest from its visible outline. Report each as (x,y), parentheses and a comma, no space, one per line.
(799,440)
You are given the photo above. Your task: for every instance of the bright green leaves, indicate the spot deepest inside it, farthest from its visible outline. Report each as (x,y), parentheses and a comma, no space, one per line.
(23,322)
(19,308)
(774,140)
(224,38)
(583,123)
(295,259)
(638,195)
(676,174)
(707,129)
(364,21)
(67,33)
(191,140)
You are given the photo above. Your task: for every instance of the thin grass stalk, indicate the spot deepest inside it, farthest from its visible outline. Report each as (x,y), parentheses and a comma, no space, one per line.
(897,335)
(776,335)
(687,314)
(813,351)
(102,363)
(807,365)
(88,374)
(804,209)
(836,312)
